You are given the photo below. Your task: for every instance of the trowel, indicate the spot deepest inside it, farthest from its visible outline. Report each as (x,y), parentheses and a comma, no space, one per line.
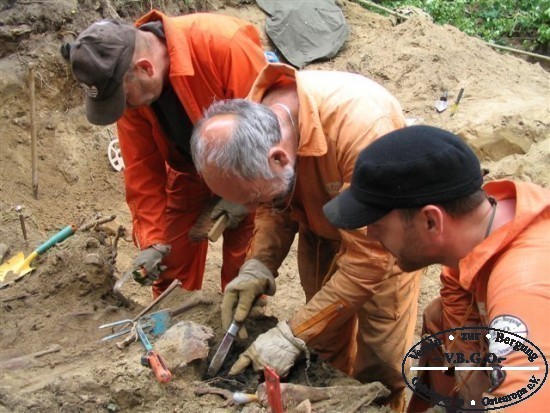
(442,103)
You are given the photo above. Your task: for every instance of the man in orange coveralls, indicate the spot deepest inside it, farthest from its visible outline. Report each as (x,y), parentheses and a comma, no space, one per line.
(288,155)
(154,79)
(419,190)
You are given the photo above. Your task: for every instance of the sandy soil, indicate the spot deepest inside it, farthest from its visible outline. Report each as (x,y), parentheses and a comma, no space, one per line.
(504,115)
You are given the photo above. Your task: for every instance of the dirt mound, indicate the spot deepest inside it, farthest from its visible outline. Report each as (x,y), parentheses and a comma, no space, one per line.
(504,110)
(60,306)
(504,115)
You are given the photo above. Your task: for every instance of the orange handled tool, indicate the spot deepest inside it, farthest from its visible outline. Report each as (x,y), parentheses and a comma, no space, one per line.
(153,359)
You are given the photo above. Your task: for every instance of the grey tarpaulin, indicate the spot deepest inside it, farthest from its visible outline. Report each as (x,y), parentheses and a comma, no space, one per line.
(305,31)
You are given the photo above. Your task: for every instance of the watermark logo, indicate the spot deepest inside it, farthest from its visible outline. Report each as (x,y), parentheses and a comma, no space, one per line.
(531,368)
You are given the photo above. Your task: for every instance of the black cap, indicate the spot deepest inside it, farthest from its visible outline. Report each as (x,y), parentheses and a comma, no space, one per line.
(407,168)
(100,57)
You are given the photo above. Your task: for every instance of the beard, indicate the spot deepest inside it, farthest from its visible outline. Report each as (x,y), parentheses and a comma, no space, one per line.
(288,184)
(410,265)
(413,258)
(413,253)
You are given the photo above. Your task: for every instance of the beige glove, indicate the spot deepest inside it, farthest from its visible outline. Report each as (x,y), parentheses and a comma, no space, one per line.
(235,212)
(244,293)
(278,348)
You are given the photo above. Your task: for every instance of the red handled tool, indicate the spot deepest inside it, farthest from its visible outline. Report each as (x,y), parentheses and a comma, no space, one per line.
(273,390)
(153,359)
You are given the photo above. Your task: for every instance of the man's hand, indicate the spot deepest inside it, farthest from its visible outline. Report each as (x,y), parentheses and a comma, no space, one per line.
(147,265)
(235,212)
(278,348)
(244,292)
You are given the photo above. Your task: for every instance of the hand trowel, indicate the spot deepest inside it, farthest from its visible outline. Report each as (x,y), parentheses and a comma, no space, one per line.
(442,103)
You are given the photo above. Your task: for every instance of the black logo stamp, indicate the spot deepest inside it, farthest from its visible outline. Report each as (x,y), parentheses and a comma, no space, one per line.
(533,368)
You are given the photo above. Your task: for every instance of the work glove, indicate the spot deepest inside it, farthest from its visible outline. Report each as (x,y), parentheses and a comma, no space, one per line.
(243,294)
(235,212)
(278,348)
(147,265)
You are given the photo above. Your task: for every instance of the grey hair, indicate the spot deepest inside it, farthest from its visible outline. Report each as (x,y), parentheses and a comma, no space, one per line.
(245,153)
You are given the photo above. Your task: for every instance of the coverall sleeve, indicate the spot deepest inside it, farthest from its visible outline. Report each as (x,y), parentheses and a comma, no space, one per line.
(273,236)
(144,178)
(360,266)
(518,290)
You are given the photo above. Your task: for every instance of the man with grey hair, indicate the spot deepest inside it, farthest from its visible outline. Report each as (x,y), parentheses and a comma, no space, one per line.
(285,153)
(241,156)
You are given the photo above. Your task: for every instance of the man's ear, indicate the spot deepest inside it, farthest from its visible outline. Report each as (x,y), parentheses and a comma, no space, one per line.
(278,159)
(432,217)
(146,66)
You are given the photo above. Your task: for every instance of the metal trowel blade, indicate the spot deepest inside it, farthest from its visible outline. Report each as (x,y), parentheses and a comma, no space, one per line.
(442,103)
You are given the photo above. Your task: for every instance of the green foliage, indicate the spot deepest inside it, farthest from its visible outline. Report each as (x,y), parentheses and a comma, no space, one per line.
(506,22)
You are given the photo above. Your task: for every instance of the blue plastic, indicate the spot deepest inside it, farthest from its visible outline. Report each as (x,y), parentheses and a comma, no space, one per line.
(271,57)
(143,338)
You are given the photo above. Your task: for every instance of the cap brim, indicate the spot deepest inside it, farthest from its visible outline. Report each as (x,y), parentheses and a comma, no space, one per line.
(346,212)
(106,111)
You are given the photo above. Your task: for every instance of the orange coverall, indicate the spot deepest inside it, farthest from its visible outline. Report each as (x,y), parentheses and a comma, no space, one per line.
(211,57)
(507,276)
(361,308)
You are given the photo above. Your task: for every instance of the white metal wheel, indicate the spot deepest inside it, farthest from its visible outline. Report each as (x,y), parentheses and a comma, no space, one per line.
(115,157)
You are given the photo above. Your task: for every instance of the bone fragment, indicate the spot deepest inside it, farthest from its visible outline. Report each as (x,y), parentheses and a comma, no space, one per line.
(294,394)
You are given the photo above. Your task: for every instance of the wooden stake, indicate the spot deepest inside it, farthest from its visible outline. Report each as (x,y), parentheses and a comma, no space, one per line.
(34,154)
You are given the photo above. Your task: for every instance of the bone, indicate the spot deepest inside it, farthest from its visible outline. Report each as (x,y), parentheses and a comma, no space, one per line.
(229,397)
(28,360)
(4,249)
(184,342)
(225,394)
(294,394)
(304,407)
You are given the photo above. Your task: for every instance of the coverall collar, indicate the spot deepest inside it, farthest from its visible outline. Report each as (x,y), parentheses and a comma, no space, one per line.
(527,210)
(312,141)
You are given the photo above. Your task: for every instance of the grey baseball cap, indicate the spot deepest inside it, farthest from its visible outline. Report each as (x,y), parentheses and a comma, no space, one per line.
(100,57)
